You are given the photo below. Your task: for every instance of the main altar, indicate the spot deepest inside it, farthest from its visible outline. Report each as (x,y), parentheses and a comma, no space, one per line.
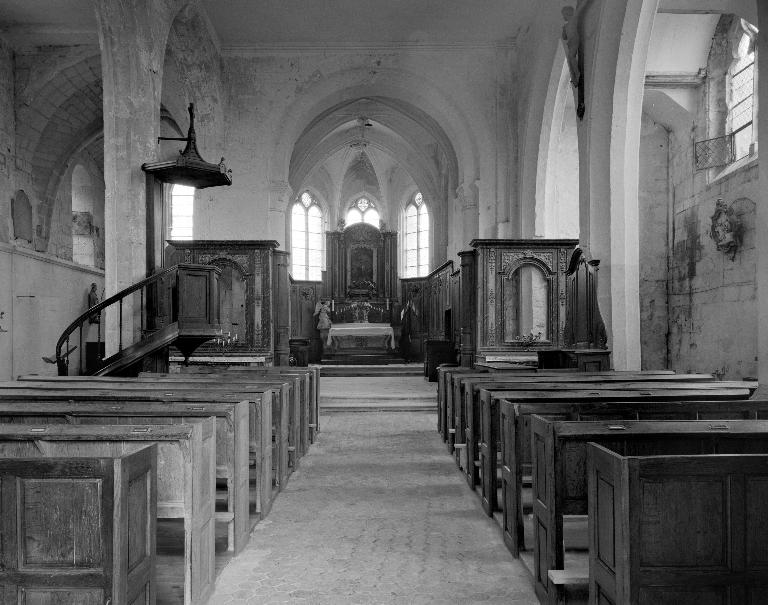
(360,288)
(358,336)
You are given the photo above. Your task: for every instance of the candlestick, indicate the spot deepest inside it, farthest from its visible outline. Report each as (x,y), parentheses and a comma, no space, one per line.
(333,307)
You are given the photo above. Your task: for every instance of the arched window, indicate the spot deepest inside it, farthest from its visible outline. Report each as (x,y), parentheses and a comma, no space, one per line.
(363,211)
(182,209)
(306,239)
(741,94)
(416,237)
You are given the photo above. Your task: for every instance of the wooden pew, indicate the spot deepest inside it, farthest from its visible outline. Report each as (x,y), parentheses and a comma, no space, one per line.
(445,403)
(450,398)
(301,410)
(312,371)
(97,545)
(148,390)
(441,370)
(674,529)
(467,394)
(515,421)
(560,471)
(185,479)
(487,437)
(231,423)
(293,398)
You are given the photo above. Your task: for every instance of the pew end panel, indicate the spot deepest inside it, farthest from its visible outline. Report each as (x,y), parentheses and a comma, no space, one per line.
(96,546)
(186,475)
(677,529)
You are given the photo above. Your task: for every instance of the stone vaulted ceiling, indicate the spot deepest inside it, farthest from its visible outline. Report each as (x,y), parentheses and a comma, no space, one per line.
(308,23)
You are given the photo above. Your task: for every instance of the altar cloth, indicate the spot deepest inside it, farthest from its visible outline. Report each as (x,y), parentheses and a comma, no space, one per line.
(362,329)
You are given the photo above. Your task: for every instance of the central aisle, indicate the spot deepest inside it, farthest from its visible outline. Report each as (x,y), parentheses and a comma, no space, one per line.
(376,513)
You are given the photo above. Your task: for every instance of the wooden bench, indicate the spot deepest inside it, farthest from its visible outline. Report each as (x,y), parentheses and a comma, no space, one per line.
(286,410)
(515,436)
(560,471)
(97,545)
(185,479)
(103,390)
(232,443)
(445,402)
(487,434)
(311,371)
(677,529)
(467,394)
(441,371)
(300,415)
(453,394)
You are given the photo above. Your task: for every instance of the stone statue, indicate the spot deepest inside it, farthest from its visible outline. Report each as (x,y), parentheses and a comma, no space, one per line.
(93,300)
(321,312)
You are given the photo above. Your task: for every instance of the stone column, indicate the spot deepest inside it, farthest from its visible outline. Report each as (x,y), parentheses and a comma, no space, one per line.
(467,196)
(132,37)
(280,194)
(281,313)
(761,228)
(614,40)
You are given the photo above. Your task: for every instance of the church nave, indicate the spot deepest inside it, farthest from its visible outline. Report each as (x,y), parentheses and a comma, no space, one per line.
(376,513)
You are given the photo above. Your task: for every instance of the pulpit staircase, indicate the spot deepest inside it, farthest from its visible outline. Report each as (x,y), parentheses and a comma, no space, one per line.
(178,305)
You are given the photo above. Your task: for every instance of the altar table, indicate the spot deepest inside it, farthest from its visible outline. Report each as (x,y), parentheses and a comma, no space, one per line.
(362,330)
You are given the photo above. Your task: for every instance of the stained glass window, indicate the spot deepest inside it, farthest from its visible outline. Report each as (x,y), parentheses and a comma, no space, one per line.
(306,239)
(182,209)
(416,237)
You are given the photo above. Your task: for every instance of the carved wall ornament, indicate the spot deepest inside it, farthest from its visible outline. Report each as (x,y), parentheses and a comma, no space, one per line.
(725,229)
(240,261)
(511,261)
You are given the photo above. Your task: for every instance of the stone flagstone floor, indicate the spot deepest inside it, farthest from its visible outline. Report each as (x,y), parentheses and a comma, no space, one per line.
(376,513)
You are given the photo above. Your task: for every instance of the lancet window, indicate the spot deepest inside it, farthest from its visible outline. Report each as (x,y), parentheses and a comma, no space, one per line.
(416,237)
(306,239)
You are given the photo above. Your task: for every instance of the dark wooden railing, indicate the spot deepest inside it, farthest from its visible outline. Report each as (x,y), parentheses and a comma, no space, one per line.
(182,294)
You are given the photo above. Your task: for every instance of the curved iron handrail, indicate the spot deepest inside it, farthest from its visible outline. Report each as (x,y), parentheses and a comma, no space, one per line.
(62,362)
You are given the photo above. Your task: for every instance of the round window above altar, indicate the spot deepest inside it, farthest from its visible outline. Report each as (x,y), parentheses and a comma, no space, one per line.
(363,211)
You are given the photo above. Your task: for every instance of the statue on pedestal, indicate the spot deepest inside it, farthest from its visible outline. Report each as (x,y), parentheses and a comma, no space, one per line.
(321,312)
